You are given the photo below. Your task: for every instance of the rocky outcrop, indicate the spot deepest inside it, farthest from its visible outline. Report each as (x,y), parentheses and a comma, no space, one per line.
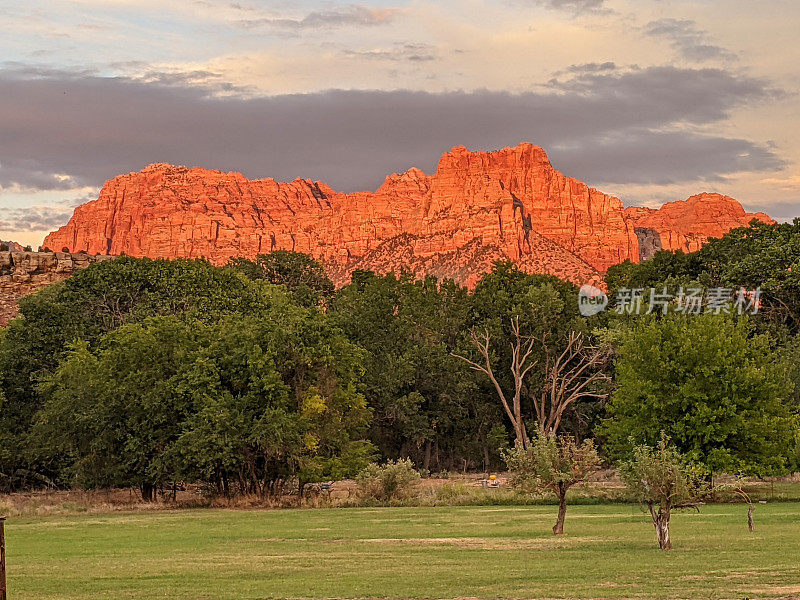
(10,247)
(476,208)
(649,242)
(688,224)
(22,273)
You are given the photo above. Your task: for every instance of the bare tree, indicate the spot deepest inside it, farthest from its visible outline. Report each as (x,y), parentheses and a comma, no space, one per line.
(521,364)
(738,488)
(569,376)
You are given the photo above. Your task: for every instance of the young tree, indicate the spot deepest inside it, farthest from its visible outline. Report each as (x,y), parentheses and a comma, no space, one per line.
(665,480)
(738,488)
(555,464)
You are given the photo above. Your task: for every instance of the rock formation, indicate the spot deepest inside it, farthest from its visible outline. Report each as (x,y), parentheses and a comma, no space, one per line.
(22,273)
(688,224)
(476,208)
(10,246)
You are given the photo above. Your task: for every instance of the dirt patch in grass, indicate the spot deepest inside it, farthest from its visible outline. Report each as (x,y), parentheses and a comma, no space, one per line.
(790,591)
(484,543)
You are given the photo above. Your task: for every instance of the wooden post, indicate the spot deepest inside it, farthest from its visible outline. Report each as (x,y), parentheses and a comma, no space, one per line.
(2,558)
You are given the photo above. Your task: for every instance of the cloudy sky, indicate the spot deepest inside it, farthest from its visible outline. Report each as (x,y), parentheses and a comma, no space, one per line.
(648,100)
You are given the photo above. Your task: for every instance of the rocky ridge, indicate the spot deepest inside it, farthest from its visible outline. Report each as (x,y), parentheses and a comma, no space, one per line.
(22,273)
(476,208)
(11,246)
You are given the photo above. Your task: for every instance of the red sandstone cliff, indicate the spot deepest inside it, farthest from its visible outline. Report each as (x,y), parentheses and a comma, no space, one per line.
(477,208)
(688,224)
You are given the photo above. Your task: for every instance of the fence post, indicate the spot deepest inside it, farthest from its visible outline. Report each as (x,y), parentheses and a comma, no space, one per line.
(2,558)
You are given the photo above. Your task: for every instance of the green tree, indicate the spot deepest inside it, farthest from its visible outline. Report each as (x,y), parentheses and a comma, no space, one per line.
(554,464)
(665,480)
(255,402)
(303,276)
(761,255)
(425,405)
(91,303)
(117,411)
(718,391)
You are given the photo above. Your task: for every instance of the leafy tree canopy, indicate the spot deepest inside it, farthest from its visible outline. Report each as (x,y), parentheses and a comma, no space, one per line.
(303,276)
(718,391)
(241,401)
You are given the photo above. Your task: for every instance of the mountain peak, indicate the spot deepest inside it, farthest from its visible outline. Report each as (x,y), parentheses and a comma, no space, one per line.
(478,207)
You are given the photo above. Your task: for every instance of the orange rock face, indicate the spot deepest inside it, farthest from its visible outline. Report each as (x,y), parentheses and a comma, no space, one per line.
(688,224)
(477,208)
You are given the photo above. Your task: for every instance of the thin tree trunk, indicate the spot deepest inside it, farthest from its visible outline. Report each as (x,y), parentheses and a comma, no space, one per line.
(661,524)
(558,528)
(148,492)
(750,525)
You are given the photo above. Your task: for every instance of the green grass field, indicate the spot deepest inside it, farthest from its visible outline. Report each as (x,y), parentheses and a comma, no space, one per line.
(488,552)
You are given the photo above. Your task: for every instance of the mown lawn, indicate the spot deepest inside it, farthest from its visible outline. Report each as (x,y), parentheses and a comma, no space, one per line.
(488,552)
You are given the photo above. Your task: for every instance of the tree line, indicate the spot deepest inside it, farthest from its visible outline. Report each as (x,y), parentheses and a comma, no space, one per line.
(260,375)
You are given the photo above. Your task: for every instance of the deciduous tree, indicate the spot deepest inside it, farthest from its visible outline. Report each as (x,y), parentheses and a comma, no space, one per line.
(554,464)
(664,480)
(717,390)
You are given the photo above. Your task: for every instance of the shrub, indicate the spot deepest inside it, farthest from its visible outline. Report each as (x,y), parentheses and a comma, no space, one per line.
(393,481)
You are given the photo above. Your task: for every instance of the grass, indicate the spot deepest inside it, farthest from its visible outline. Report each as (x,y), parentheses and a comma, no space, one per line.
(429,552)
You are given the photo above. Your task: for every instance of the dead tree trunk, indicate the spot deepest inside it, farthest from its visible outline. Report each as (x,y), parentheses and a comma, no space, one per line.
(661,524)
(521,364)
(558,528)
(570,376)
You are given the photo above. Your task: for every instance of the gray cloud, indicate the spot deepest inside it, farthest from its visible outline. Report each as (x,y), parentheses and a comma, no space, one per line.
(35,218)
(351,15)
(592,67)
(688,40)
(602,126)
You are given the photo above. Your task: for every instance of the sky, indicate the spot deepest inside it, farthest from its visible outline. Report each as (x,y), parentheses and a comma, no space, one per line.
(651,101)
